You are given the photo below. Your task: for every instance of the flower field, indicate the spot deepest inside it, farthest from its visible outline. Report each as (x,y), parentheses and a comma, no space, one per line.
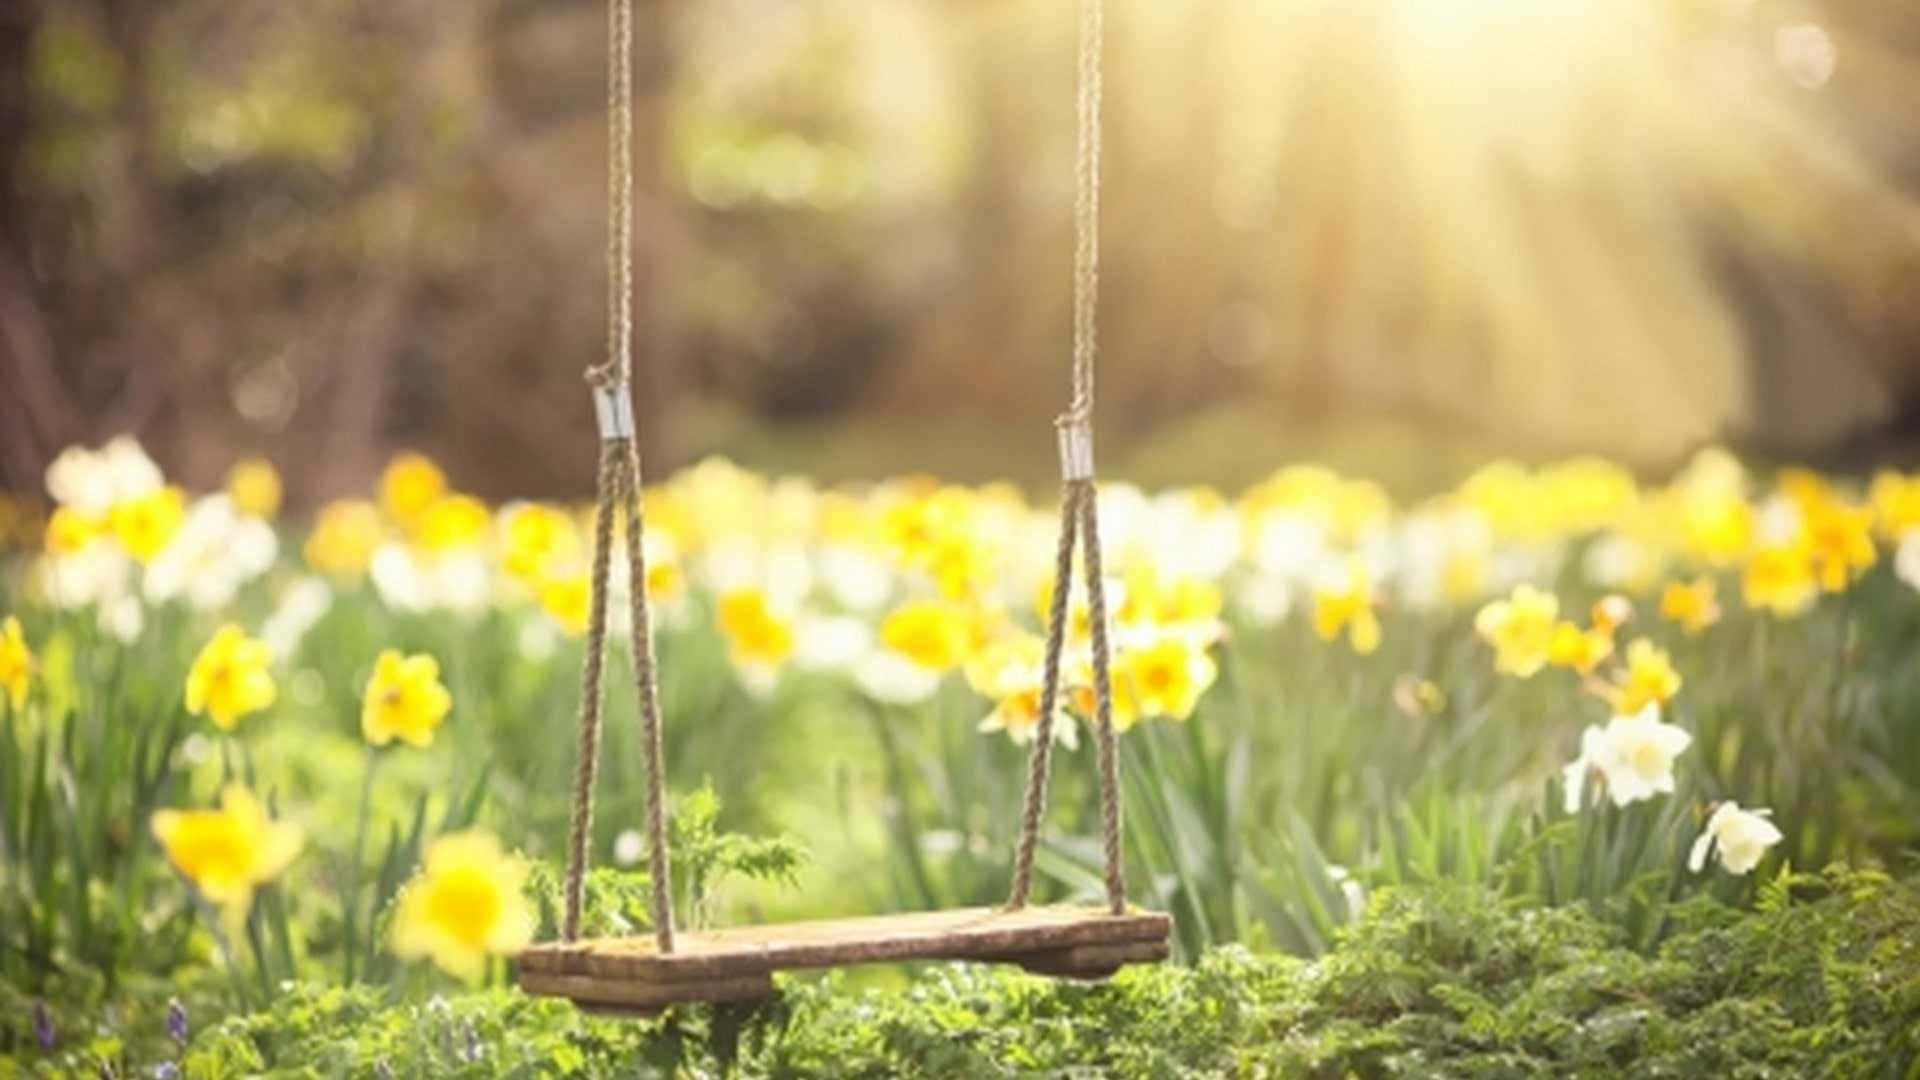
(248,762)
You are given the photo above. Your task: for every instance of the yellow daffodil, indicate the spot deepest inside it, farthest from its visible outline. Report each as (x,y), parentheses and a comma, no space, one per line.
(959,566)
(1345,602)
(1121,695)
(936,636)
(1079,628)
(1009,672)
(145,523)
(1896,503)
(1018,714)
(1610,613)
(1717,526)
(1508,497)
(16,662)
(1585,494)
(1693,605)
(467,903)
(1191,601)
(567,601)
(666,580)
(1840,540)
(344,538)
(1418,698)
(228,852)
(1649,678)
(69,531)
(1520,629)
(1463,576)
(1779,579)
(410,484)
(254,486)
(1184,603)
(759,639)
(229,679)
(1006,664)
(404,700)
(1805,488)
(1581,650)
(537,540)
(931,529)
(452,522)
(1346,508)
(1166,678)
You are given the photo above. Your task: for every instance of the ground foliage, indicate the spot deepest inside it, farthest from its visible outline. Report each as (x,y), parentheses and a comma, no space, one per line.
(1821,978)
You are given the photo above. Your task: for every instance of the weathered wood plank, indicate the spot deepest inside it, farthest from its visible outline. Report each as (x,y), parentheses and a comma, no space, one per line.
(625,995)
(716,965)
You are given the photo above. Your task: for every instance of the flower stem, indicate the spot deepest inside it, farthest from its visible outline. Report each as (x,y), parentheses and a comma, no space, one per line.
(351,903)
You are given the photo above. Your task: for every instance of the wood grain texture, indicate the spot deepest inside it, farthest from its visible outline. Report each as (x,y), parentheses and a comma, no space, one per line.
(734,964)
(618,996)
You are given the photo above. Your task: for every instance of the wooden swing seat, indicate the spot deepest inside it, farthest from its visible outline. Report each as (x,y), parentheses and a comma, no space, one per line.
(631,975)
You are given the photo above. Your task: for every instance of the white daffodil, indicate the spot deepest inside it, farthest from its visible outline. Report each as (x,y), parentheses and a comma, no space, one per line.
(301,605)
(1636,755)
(831,642)
(1263,598)
(1616,561)
(1740,837)
(124,618)
(1633,755)
(1187,533)
(1574,776)
(398,579)
(892,679)
(855,577)
(91,481)
(96,574)
(216,551)
(628,847)
(1906,561)
(1288,545)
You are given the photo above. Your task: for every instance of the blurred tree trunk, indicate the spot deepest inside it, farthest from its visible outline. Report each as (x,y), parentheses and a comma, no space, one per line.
(30,405)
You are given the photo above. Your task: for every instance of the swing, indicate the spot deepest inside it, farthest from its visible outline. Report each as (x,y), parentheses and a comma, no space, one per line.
(642,975)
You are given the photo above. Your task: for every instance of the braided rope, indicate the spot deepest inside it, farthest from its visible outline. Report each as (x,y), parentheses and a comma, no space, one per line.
(1037,764)
(1080,504)
(1103,703)
(618,366)
(1086,210)
(647,689)
(619,489)
(611,463)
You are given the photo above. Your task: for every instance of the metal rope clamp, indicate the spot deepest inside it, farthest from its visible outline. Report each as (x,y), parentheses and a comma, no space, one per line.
(1076,447)
(613,410)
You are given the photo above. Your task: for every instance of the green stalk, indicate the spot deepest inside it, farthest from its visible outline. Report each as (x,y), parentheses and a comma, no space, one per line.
(907,827)
(351,902)
(258,944)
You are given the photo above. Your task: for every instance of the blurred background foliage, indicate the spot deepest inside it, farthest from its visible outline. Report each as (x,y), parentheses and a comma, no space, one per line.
(1399,234)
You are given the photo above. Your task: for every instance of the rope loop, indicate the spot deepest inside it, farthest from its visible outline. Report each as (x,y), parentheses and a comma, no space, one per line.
(618,490)
(1079,504)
